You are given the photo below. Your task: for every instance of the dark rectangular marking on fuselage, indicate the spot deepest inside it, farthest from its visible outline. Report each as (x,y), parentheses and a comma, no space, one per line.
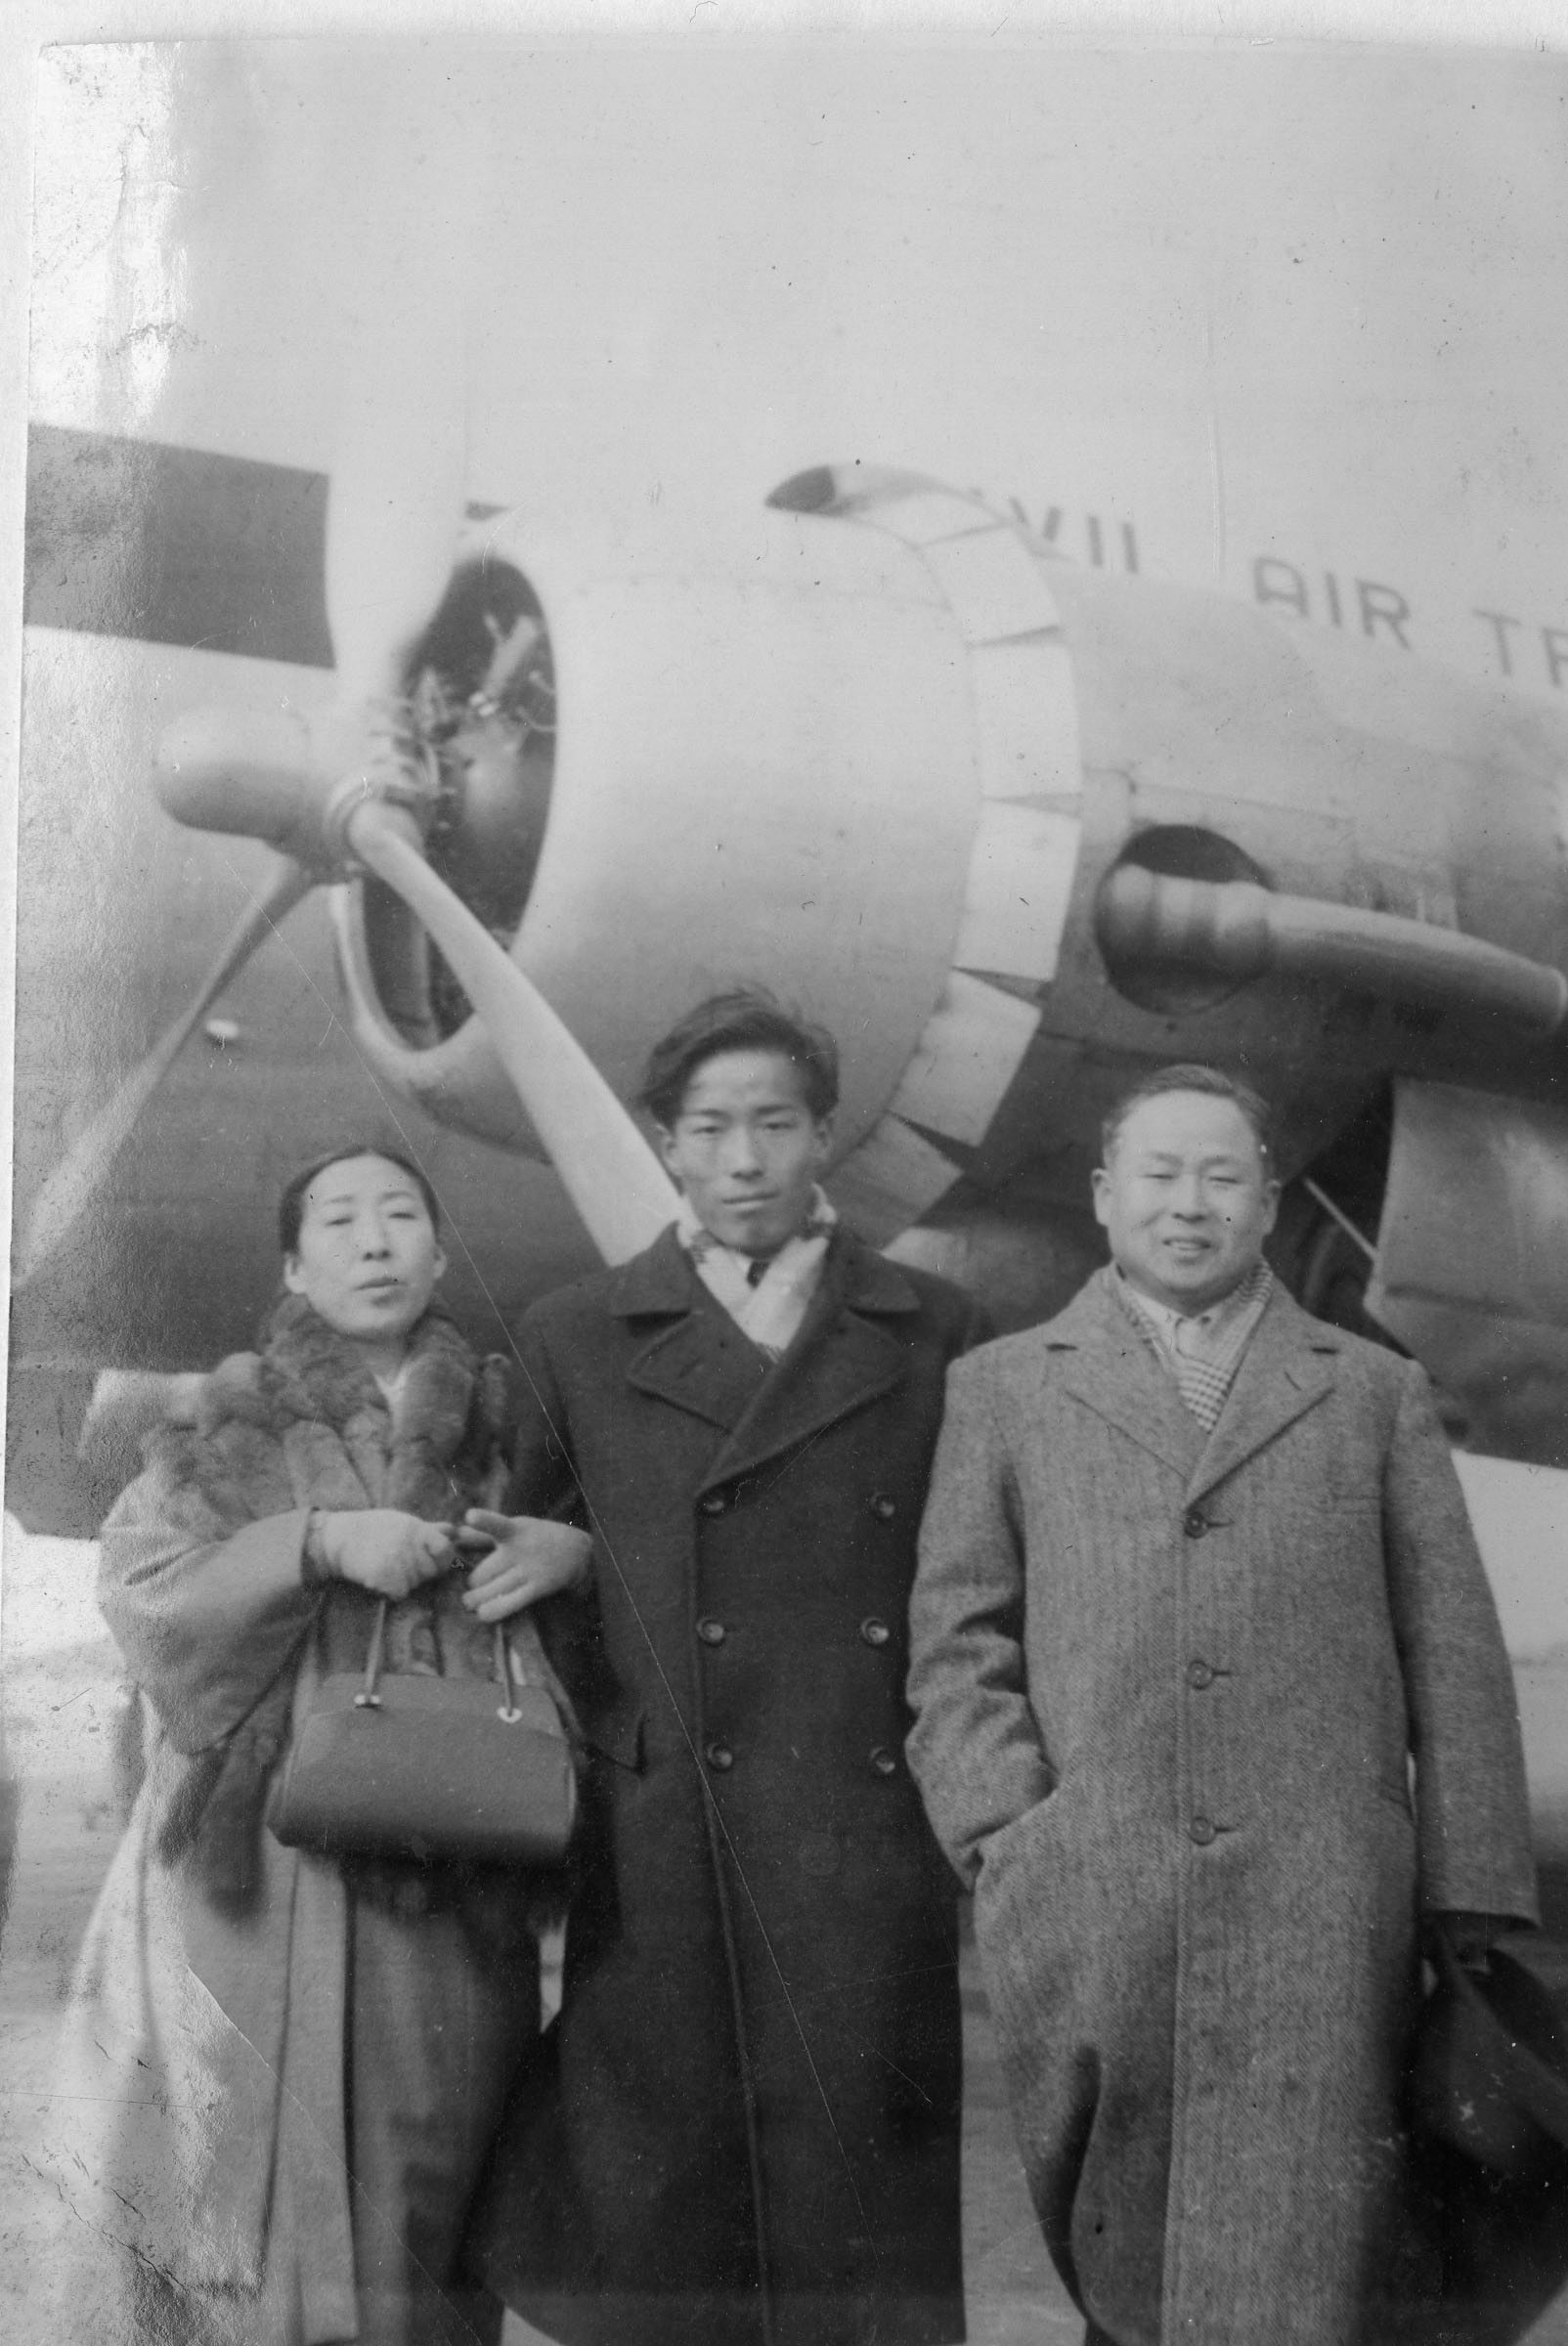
(175,545)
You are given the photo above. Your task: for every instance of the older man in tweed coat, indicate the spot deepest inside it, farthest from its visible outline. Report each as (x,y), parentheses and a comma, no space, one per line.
(1197,1589)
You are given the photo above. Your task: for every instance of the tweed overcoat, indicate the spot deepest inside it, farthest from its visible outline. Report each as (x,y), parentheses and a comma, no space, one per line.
(1168,1689)
(758,2089)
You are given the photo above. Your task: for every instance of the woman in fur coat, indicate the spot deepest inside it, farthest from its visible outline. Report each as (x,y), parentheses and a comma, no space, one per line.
(283,2072)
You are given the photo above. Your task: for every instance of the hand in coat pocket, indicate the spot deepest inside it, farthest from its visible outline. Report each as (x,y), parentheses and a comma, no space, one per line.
(999,1848)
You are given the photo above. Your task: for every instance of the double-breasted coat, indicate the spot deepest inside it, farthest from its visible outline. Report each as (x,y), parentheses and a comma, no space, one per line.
(755,2135)
(1172,1689)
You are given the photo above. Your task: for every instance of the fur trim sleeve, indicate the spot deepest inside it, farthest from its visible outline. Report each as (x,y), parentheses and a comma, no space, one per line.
(202,1591)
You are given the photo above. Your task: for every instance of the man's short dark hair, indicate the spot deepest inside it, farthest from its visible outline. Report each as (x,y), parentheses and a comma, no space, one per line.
(747,1019)
(292,1204)
(1189,1076)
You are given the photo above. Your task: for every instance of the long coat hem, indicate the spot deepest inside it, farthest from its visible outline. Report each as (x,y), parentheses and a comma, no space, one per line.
(754,2134)
(204,2094)
(1208,1718)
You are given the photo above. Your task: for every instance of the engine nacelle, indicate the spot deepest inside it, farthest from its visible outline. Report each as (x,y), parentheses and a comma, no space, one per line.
(1013,831)
(813,756)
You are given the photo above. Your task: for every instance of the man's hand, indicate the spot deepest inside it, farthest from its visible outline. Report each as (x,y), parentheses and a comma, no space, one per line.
(384,1550)
(530,1557)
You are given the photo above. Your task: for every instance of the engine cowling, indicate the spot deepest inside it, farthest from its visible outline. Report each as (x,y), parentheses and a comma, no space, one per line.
(1003,825)
(842,762)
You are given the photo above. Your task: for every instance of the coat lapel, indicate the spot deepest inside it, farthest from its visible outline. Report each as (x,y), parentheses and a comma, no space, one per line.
(1286,1370)
(697,1359)
(1115,1373)
(845,1355)
(694,1357)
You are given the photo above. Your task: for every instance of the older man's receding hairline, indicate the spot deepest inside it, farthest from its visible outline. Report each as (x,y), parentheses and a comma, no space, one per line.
(1192,1077)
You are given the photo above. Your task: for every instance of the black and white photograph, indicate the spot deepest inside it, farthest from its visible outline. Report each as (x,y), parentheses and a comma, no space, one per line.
(786,1423)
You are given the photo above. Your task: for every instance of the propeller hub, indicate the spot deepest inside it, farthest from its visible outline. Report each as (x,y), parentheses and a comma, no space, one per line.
(475,766)
(262,775)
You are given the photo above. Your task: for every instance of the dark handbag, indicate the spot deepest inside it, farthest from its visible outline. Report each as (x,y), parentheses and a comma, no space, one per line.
(415,1766)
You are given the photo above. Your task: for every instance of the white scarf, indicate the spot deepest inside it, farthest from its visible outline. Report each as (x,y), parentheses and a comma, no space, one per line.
(771,1310)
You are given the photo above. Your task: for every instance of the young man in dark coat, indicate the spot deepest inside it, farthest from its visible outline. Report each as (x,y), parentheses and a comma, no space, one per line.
(1212,1708)
(753,2138)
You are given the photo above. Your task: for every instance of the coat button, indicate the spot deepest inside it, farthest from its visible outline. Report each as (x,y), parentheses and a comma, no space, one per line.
(884,1508)
(875,1631)
(1200,1674)
(882,1762)
(714,1504)
(1194,1523)
(719,1756)
(1202,1830)
(711,1631)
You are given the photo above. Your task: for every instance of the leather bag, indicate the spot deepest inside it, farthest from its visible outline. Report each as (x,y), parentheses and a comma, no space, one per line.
(1488,2101)
(389,1764)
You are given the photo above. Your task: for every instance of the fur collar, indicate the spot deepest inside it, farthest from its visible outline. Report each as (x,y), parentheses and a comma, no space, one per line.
(308,1371)
(310,1391)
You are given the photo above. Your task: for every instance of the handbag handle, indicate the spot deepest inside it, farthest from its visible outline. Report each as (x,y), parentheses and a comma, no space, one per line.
(508,1709)
(369,1699)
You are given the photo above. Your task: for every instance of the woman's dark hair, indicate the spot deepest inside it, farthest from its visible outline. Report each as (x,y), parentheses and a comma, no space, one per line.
(1191,1077)
(292,1204)
(747,1019)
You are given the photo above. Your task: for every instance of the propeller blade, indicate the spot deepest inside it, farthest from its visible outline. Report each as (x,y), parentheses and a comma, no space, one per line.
(410,217)
(610,1173)
(395,504)
(80,1172)
(253,773)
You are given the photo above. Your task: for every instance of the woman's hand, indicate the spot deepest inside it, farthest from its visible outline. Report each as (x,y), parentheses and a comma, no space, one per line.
(530,1557)
(384,1550)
